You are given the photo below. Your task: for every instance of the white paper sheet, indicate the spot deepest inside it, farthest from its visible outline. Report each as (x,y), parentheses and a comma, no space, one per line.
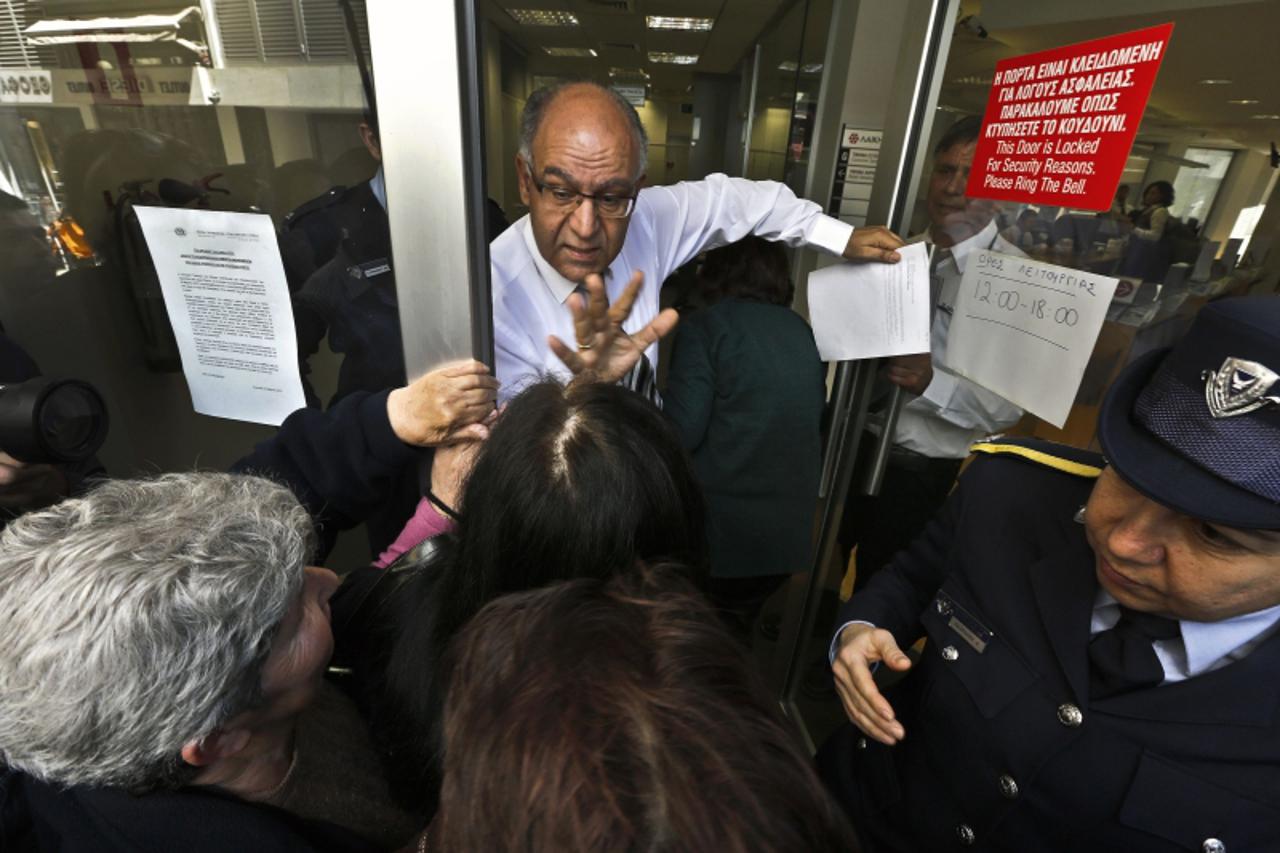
(870,310)
(1025,330)
(228,302)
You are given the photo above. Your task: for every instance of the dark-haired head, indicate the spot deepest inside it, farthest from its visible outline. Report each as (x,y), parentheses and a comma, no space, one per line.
(619,715)
(963,132)
(752,268)
(573,482)
(1158,192)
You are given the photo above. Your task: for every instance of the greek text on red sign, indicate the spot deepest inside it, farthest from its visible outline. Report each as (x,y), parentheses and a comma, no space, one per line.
(1059,123)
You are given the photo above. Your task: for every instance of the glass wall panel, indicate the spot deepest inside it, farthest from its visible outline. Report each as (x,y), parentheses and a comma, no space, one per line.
(1207,131)
(110,107)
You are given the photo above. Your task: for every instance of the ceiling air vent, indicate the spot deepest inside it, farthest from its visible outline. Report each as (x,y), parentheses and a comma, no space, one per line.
(609,6)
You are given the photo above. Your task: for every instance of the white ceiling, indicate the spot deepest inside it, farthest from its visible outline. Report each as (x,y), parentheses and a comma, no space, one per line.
(616,30)
(1211,39)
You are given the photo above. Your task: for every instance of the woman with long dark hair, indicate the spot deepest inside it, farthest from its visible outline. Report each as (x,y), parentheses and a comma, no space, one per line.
(572,482)
(606,715)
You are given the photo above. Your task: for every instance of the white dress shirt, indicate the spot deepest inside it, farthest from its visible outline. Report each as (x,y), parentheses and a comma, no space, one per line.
(669,227)
(953,412)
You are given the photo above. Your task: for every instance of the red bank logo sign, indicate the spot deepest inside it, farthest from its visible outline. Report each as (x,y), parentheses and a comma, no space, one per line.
(1060,123)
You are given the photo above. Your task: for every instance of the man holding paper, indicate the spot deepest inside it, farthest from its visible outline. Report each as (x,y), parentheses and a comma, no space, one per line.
(593,224)
(947,412)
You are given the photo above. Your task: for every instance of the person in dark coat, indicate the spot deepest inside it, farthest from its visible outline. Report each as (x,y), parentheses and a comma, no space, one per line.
(1102,643)
(162,639)
(746,395)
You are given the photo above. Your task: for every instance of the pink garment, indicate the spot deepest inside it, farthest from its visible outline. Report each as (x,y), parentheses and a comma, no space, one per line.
(425,523)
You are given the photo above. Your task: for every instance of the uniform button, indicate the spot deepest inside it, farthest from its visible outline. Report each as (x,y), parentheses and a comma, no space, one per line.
(861,743)
(949,653)
(965,833)
(1213,845)
(1069,715)
(1008,786)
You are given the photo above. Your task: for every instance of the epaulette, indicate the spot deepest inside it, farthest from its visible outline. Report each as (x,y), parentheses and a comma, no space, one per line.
(320,202)
(1060,457)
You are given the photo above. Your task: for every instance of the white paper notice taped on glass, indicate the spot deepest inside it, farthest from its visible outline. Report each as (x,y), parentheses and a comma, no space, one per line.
(869,310)
(228,302)
(1025,330)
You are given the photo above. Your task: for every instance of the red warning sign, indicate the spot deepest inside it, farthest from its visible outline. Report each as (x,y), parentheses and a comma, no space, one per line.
(1059,123)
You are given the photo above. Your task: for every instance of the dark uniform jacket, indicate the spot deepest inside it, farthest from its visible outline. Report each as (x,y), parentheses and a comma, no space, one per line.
(1004,749)
(351,295)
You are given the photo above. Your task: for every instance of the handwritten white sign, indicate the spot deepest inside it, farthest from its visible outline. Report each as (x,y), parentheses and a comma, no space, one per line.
(228,302)
(1025,330)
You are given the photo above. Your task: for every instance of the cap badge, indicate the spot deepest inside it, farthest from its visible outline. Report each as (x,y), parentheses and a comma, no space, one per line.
(1239,387)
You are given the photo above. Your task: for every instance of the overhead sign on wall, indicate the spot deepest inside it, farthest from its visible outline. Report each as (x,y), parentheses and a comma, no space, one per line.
(1059,123)
(855,172)
(26,86)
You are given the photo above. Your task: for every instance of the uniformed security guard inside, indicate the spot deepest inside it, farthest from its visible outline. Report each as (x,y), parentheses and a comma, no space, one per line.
(1100,634)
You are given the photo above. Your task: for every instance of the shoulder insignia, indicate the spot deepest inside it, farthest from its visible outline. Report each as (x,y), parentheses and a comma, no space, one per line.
(320,202)
(1060,457)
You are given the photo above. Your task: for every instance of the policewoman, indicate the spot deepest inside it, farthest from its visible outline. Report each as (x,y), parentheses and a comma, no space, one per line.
(1101,669)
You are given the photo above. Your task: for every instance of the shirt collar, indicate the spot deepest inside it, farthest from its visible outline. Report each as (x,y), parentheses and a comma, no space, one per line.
(1206,643)
(561,288)
(378,184)
(960,251)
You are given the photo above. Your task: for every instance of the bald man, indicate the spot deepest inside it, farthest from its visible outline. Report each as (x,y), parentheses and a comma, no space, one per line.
(581,167)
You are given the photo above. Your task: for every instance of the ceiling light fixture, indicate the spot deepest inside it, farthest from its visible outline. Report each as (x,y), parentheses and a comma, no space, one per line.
(1214,81)
(668,58)
(544,17)
(667,22)
(787,66)
(1243,101)
(570,51)
(811,68)
(1266,116)
(629,73)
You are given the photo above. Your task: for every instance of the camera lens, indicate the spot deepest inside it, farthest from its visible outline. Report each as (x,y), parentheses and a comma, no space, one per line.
(68,421)
(51,420)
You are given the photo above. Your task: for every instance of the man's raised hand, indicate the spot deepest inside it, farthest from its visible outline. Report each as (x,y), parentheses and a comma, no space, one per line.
(604,352)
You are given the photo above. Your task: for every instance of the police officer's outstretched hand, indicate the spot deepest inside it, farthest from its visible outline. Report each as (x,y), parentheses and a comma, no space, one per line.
(861,646)
(447,405)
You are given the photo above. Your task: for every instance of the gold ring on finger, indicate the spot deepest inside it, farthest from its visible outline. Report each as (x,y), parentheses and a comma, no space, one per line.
(583,346)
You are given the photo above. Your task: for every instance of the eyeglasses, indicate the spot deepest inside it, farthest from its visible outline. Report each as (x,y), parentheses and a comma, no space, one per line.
(608,205)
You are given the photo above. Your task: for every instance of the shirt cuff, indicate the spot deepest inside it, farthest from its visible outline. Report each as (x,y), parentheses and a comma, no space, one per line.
(835,641)
(830,234)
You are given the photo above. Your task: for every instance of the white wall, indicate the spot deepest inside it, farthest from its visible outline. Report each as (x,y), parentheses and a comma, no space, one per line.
(290,135)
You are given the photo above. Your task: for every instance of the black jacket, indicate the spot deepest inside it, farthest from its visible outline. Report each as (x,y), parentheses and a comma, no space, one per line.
(42,817)
(346,466)
(1004,746)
